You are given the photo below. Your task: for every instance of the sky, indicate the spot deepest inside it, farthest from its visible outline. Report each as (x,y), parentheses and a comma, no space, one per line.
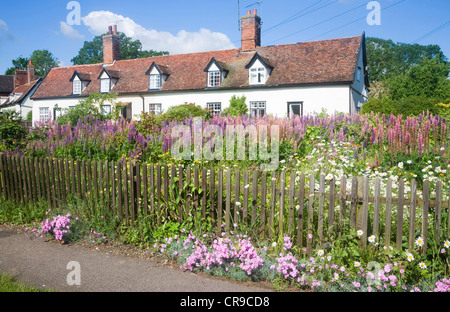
(204,25)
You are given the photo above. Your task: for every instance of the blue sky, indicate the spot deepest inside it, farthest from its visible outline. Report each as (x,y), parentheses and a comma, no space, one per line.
(200,25)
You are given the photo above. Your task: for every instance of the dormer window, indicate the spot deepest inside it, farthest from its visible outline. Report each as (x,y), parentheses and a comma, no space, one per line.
(257,75)
(155,81)
(76,86)
(259,70)
(216,73)
(214,78)
(158,74)
(79,82)
(108,79)
(105,85)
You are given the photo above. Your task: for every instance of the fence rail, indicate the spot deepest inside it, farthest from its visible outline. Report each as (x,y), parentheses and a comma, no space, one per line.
(272,204)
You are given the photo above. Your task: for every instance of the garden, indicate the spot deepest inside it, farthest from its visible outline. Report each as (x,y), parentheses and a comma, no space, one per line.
(315,152)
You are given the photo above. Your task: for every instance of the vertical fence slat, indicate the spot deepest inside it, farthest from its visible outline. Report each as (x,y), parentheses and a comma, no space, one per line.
(125,193)
(281,208)
(263,202)
(354,202)
(212,191)
(301,202)
(321,202)
(376,207)
(401,189)
(245,196)
(331,215)
(425,206)
(132,177)
(237,189)
(310,214)
(388,218)
(364,213)
(412,214)
(118,171)
(158,193)
(219,200)
(228,201)
(291,203)
(254,195)
(272,204)
(151,183)
(438,213)
(145,188)
(204,184)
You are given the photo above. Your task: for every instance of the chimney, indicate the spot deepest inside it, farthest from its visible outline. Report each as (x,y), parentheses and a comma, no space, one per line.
(30,71)
(20,77)
(111,46)
(250,31)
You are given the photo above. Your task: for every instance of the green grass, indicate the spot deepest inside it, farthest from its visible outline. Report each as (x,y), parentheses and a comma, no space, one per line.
(9,284)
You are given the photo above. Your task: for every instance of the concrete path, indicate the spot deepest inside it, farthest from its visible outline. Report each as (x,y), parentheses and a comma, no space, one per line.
(45,265)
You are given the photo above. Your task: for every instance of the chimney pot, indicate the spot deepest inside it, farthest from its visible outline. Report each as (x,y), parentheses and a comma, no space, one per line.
(115,29)
(249,13)
(254,11)
(250,31)
(110,30)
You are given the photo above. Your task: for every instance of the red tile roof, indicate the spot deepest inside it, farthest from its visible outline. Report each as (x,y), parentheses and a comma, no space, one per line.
(23,90)
(315,62)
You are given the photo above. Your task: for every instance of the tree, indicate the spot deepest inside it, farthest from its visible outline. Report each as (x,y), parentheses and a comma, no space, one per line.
(386,58)
(43,61)
(92,51)
(237,106)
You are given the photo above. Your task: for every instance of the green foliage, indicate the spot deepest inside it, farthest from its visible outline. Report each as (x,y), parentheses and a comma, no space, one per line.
(11,129)
(386,58)
(92,51)
(43,61)
(237,106)
(91,106)
(181,112)
(18,63)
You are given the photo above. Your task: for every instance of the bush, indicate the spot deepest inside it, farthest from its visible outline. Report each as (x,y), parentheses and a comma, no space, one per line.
(409,106)
(237,106)
(181,112)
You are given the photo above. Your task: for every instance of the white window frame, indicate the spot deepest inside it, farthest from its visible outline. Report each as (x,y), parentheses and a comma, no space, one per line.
(258,75)
(215,107)
(256,107)
(155,108)
(105,88)
(214,78)
(77,88)
(155,81)
(44,114)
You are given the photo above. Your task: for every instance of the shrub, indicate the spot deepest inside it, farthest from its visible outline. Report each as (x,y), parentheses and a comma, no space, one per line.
(181,112)
(237,106)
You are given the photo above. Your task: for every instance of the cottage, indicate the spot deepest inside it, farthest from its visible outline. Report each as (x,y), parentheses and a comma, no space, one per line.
(281,80)
(23,84)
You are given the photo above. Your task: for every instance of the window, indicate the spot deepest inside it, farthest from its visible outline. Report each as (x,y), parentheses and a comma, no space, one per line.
(43,114)
(258,108)
(77,87)
(358,74)
(215,108)
(155,109)
(104,85)
(257,75)
(106,110)
(295,108)
(155,81)
(214,78)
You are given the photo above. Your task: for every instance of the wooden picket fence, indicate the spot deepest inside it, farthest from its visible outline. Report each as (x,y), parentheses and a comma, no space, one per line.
(273,205)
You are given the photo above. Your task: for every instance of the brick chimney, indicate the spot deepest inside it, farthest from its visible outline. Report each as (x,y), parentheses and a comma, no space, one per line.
(250,31)
(30,71)
(20,77)
(111,46)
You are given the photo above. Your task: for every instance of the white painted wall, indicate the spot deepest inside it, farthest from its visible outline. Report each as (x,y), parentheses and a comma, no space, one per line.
(333,98)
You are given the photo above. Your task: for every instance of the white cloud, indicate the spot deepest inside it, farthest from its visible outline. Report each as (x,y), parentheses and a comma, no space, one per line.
(151,39)
(69,31)
(4,31)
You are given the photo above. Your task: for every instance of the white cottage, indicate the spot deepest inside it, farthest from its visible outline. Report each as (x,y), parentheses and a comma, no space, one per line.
(281,80)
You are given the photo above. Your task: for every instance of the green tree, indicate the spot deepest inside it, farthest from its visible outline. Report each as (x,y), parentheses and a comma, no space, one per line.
(237,106)
(386,58)
(92,51)
(43,61)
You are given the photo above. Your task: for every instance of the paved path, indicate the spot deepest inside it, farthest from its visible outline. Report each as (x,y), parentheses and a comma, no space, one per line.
(44,264)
